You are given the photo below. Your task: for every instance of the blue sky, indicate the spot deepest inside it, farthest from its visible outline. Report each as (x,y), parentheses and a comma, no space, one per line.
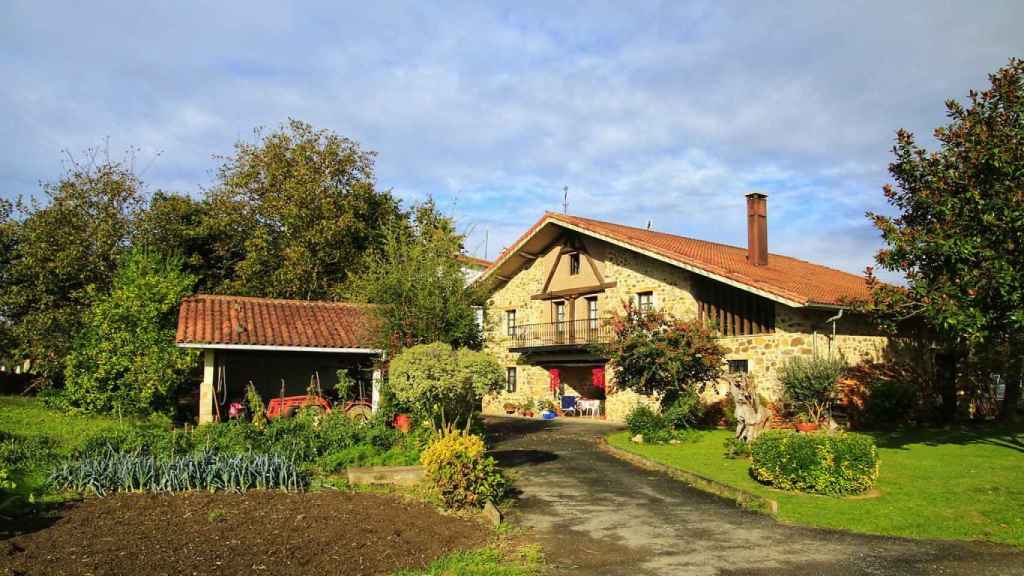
(667,112)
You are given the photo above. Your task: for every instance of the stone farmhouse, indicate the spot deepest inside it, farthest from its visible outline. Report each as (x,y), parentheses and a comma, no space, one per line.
(551,292)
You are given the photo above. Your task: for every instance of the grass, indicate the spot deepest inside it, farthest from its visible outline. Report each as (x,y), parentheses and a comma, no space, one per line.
(491,561)
(30,418)
(962,484)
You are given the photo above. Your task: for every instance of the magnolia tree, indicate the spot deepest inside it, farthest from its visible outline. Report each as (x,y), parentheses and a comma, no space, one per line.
(435,379)
(655,354)
(958,233)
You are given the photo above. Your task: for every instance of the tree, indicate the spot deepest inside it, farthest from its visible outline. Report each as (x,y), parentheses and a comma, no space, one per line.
(958,238)
(64,253)
(125,359)
(656,354)
(306,202)
(178,225)
(417,284)
(435,378)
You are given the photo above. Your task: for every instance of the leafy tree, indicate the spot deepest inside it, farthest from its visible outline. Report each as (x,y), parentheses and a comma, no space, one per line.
(431,378)
(306,202)
(125,359)
(656,354)
(178,225)
(63,253)
(7,247)
(959,236)
(418,285)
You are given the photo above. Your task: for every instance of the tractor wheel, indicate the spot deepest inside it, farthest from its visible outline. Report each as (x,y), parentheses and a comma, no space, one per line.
(359,413)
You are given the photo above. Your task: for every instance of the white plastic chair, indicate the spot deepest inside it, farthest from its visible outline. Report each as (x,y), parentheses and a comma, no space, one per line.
(591,407)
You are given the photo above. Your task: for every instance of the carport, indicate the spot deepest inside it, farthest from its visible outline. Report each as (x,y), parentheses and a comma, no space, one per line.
(279,346)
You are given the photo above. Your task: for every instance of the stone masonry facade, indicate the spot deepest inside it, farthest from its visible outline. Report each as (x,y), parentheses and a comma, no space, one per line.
(798,331)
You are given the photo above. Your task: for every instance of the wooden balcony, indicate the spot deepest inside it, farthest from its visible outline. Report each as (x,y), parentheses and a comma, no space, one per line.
(557,336)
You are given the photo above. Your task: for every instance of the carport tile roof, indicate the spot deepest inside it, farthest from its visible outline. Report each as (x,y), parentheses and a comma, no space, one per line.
(240,320)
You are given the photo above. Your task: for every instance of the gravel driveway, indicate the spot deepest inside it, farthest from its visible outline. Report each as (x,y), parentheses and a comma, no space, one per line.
(595,514)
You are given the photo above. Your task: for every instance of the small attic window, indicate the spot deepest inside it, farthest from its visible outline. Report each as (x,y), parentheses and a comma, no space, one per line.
(574,263)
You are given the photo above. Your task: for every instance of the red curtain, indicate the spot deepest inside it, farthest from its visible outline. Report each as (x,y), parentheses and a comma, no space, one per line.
(597,377)
(556,380)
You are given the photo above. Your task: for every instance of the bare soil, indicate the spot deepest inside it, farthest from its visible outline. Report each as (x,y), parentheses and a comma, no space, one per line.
(225,534)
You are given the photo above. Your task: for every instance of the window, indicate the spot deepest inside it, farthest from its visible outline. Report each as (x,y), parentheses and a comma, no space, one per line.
(510,379)
(574,263)
(645,301)
(510,322)
(738,367)
(592,312)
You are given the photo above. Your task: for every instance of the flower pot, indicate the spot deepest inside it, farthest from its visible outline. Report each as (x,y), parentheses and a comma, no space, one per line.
(528,414)
(403,422)
(548,415)
(806,426)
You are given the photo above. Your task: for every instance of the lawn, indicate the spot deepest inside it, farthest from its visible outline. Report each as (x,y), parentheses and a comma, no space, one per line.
(30,418)
(965,484)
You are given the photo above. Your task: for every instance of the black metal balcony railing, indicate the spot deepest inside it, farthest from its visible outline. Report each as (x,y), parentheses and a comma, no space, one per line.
(554,334)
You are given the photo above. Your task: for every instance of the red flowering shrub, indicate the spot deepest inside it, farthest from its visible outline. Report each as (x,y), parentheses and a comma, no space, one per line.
(655,353)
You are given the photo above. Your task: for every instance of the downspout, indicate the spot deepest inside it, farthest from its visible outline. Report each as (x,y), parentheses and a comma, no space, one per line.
(833,320)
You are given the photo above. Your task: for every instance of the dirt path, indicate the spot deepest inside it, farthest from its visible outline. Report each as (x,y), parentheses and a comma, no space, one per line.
(595,514)
(231,534)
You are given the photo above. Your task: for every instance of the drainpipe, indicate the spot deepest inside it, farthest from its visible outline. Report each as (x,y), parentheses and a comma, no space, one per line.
(833,320)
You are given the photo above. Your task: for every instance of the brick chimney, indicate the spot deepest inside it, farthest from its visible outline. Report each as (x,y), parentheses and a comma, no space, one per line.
(757,229)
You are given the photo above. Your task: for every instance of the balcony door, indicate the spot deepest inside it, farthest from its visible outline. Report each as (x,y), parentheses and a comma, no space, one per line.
(558,315)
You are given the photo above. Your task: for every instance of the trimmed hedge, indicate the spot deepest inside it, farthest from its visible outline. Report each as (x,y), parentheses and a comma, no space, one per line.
(821,463)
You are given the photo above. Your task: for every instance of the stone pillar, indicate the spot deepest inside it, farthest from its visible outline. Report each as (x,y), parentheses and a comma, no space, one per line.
(206,394)
(375,390)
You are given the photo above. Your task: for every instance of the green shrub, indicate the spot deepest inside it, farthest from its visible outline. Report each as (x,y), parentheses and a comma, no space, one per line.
(139,472)
(643,420)
(736,448)
(810,384)
(5,482)
(656,428)
(433,379)
(152,440)
(462,475)
(685,411)
(890,402)
(124,359)
(835,464)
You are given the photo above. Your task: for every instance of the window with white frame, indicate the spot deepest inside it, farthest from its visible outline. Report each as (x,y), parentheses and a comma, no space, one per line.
(510,379)
(645,301)
(510,322)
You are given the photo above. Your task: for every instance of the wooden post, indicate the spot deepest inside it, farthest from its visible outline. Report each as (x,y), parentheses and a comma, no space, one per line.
(206,395)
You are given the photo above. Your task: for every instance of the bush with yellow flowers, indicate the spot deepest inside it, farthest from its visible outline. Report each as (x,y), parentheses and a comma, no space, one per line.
(462,475)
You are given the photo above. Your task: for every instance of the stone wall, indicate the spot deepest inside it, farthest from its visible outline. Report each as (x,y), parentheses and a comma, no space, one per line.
(799,332)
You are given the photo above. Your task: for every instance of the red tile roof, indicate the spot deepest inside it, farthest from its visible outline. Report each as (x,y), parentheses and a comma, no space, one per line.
(239,320)
(473,261)
(789,278)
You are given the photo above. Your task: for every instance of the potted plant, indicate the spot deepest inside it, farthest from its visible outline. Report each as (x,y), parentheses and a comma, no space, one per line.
(810,384)
(547,408)
(526,407)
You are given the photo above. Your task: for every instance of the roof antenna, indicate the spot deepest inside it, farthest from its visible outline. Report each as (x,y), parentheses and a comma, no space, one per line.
(650,224)
(565,200)
(487,235)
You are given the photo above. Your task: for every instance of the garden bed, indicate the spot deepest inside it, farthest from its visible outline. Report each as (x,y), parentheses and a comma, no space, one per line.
(252,533)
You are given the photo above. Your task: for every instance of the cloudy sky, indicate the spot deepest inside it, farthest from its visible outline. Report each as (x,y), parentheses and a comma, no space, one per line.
(663,112)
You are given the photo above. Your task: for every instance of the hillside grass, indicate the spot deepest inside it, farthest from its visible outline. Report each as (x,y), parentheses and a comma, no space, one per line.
(30,418)
(962,484)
